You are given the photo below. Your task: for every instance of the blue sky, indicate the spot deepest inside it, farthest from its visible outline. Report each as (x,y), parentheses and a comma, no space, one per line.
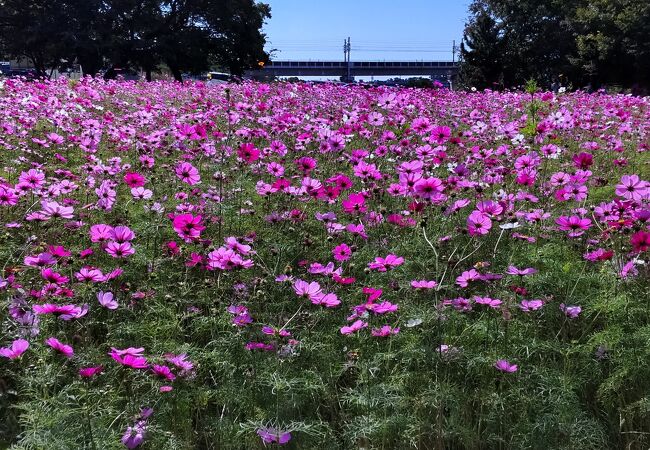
(379,29)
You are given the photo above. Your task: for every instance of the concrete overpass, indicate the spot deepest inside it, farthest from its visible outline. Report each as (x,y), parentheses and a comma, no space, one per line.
(434,69)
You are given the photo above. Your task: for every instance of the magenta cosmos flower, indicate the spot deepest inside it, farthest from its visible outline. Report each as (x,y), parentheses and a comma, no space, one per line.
(60,347)
(17,348)
(478,224)
(574,224)
(89,372)
(134,180)
(504,366)
(342,252)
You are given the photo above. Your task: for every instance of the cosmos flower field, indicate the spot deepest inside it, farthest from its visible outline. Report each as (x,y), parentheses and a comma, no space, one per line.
(322,267)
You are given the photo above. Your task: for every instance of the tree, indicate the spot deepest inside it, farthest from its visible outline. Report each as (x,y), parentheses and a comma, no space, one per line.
(186,35)
(585,41)
(36,30)
(481,50)
(613,41)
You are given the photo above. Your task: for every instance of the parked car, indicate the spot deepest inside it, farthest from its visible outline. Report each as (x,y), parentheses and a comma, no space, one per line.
(219,78)
(121,72)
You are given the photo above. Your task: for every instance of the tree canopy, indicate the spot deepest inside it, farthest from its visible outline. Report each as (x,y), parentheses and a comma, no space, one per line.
(185,35)
(586,42)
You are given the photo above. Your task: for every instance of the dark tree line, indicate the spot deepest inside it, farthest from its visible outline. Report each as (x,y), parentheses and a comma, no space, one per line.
(582,42)
(184,35)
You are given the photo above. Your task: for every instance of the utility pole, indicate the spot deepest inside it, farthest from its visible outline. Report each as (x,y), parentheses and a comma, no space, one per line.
(453,52)
(346,57)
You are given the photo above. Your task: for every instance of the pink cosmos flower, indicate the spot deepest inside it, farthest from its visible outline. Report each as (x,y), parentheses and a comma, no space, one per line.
(250,346)
(134,179)
(122,234)
(512,270)
(355,203)
(478,224)
(163,372)
(571,311)
(342,252)
(382,307)
(504,366)
(356,326)
(428,188)
(424,284)
(101,233)
(181,362)
(600,254)
(640,241)
(531,305)
(188,173)
(17,348)
(466,277)
(60,347)
(633,188)
(273,436)
(383,264)
(90,274)
(133,360)
(384,331)
(89,372)
(117,250)
(63,312)
(140,193)
(305,289)
(188,226)
(8,196)
(52,210)
(227,259)
(106,300)
(574,224)
(33,178)
(328,300)
(488,301)
(248,153)
(54,277)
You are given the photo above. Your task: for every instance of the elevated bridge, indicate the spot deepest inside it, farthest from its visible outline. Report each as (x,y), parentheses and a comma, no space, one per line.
(351,69)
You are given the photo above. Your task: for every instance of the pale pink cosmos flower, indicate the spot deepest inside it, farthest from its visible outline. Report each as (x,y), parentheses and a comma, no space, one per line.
(328,300)
(512,270)
(531,305)
(106,300)
(51,209)
(571,311)
(305,289)
(633,188)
